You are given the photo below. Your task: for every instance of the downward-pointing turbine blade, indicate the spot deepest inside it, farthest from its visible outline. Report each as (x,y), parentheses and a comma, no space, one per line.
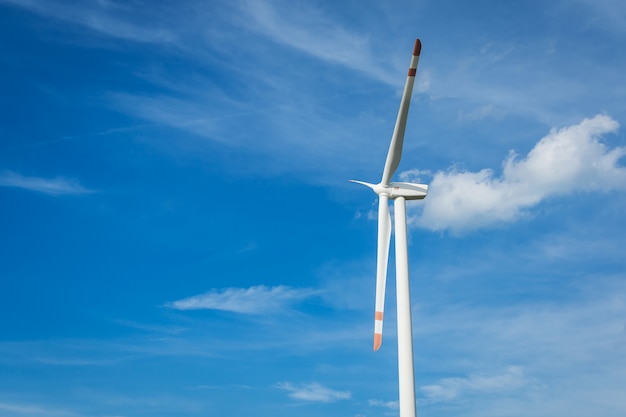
(384,236)
(397,140)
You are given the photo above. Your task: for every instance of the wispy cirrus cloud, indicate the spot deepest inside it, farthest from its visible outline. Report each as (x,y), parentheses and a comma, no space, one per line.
(607,12)
(320,37)
(448,389)
(392,405)
(107,18)
(53,186)
(258,299)
(34,410)
(565,161)
(529,353)
(313,392)
(311,30)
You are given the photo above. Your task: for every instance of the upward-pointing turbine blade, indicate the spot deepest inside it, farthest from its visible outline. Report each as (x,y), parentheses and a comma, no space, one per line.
(384,236)
(395,148)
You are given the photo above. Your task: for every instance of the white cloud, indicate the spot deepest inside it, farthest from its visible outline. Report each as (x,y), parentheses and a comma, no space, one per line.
(313,392)
(392,405)
(33,410)
(308,29)
(312,31)
(55,186)
(480,113)
(561,351)
(606,12)
(565,161)
(254,300)
(450,388)
(103,17)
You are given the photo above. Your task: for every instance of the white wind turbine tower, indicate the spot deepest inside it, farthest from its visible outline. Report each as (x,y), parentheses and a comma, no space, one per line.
(399,192)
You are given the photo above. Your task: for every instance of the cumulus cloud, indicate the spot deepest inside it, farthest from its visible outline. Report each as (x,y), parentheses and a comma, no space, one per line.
(448,389)
(54,186)
(254,300)
(313,392)
(565,161)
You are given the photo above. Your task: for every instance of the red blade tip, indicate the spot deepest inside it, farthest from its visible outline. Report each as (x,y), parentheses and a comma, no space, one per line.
(417,48)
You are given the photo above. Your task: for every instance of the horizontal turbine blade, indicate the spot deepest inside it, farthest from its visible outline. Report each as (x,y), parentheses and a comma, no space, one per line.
(367,184)
(382,257)
(397,139)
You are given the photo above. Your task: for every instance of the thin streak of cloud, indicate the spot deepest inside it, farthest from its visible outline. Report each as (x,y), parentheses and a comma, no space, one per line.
(33,410)
(554,342)
(313,392)
(67,352)
(83,136)
(609,13)
(448,389)
(321,37)
(102,17)
(151,328)
(392,405)
(55,186)
(311,31)
(258,299)
(565,161)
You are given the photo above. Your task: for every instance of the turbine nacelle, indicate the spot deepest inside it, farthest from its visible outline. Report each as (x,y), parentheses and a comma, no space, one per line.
(408,190)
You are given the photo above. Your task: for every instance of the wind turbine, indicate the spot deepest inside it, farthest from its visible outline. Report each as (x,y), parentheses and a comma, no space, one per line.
(399,192)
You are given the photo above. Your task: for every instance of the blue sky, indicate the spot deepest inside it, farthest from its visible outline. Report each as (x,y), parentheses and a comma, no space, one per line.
(179,236)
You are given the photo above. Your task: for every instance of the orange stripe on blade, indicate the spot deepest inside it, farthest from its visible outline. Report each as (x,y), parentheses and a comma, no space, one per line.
(378,315)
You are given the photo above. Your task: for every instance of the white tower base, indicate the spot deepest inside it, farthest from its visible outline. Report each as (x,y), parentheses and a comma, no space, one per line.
(405,334)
